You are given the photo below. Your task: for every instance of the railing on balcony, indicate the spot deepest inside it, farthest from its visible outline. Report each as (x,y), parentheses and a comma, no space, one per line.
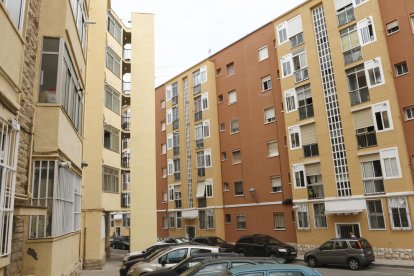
(301,75)
(360,95)
(126,87)
(197,89)
(374,186)
(310,150)
(178,203)
(315,191)
(126,122)
(305,111)
(366,137)
(175,124)
(201,172)
(125,143)
(352,55)
(198,116)
(345,15)
(174,100)
(296,40)
(176,150)
(127,54)
(199,143)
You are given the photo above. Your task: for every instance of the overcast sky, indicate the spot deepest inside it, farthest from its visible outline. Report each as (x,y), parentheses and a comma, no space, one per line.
(185,30)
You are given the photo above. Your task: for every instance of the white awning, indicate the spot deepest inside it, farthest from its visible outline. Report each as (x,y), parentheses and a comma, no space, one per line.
(189,214)
(339,4)
(201,189)
(345,206)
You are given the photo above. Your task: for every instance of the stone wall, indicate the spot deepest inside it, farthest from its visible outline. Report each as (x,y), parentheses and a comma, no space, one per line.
(94,264)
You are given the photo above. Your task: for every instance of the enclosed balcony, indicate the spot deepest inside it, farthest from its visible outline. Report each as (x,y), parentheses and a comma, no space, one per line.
(126,123)
(306,111)
(352,55)
(366,137)
(374,186)
(310,150)
(296,40)
(345,15)
(199,143)
(315,186)
(125,160)
(301,75)
(125,200)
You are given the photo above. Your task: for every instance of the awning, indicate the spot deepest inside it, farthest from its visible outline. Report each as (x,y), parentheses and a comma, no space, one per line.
(345,206)
(201,189)
(189,214)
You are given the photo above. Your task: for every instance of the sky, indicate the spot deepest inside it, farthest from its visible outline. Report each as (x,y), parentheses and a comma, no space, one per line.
(187,30)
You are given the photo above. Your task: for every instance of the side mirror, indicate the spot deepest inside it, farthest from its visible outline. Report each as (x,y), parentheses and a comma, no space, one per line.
(163,263)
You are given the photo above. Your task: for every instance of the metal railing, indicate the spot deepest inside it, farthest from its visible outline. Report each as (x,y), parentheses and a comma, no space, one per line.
(197,89)
(360,95)
(126,87)
(199,143)
(176,150)
(305,111)
(126,122)
(301,75)
(374,186)
(310,150)
(352,55)
(296,40)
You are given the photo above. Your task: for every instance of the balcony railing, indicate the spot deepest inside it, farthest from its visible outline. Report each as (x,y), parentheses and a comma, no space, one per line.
(315,191)
(126,87)
(345,15)
(201,172)
(198,116)
(305,111)
(374,186)
(125,200)
(296,40)
(199,143)
(175,124)
(301,75)
(366,137)
(177,176)
(125,160)
(127,54)
(126,122)
(176,150)
(197,89)
(310,150)
(360,95)
(352,55)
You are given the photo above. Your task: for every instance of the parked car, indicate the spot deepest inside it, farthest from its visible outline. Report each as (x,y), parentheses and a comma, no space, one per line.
(215,241)
(136,259)
(169,258)
(214,267)
(271,269)
(259,245)
(173,240)
(120,243)
(142,254)
(189,262)
(352,252)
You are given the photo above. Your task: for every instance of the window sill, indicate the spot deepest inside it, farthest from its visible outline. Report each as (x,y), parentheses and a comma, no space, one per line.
(276,192)
(237,163)
(233,103)
(264,91)
(234,132)
(4,261)
(266,123)
(242,195)
(271,156)
(384,229)
(280,229)
(401,75)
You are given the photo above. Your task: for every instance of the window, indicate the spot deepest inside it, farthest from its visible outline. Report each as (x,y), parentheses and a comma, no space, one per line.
(164,172)
(163,148)
(319,214)
(232,97)
(294,137)
(228,218)
(372,177)
(282,33)
(202,130)
(59,190)
(171,192)
(223,156)
(126,220)
(110,179)
(15,9)
(302,216)
(114,28)
(382,116)
(163,126)
(179,223)
(203,74)
(234,126)
(272,149)
(286,65)
(209,188)
(220,98)
(238,188)
(204,158)
(295,31)
(162,103)
(359,2)
(8,164)
(226,186)
(350,44)
(300,66)
(69,93)
(399,213)
(168,92)
(172,219)
(113,62)
(357,85)
(392,27)
(196,82)
(290,100)
(218,72)
(201,219)
(263,53)
(111,138)
(409,113)
(373,70)
(164,222)
(278,221)
(230,69)
(269,115)
(222,127)
(241,222)
(236,157)
(169,116)
(266,83)
(204,101)
(79,12)
(401,69)
(198,109)
(375,215)
(305,102)
(344,11)
(390,163)
(112,99)
(300,177)
(276,184)
(210,219)
(412,21)
(164,197)
(366,31)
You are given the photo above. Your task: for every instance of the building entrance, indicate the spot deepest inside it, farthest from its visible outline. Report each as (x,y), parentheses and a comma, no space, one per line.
(345,230)
(190,232)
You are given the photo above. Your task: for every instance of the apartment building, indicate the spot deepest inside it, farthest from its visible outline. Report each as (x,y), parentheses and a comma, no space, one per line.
(338,83)
(220,146)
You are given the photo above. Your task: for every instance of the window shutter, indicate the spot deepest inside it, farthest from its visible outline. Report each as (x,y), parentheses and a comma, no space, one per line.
(313,169)
(276,182)
(295,26)
(201,189)
(362,118)
(339,4)
(308,134)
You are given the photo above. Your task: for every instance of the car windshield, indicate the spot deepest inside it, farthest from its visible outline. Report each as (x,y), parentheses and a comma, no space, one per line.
(273,241)
(216,240)
(156,252)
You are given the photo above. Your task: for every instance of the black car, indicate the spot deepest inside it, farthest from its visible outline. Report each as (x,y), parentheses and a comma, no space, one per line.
(259,245)
(120,243)
(215,241)
(189,262)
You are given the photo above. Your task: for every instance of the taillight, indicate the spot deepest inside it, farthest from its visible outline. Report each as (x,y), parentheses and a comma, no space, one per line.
(360,246)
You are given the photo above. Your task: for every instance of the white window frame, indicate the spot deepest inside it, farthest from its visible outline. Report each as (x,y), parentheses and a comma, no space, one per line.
(275,221)
(412,22)
(164,172)
(294,130)
(399,202)
(323,215)
(386,156)
(370,227)
(363,24)
(291,93)
(163,103)
(281,27)
(163,126)
(169,141)
(165,222)
(302,208)
(230,69)
(210,219)
(391,25)
(16,19)
(263,53)
(171,219)
(268,118)
(269,153)
(287,59)
(402,66)
(232,95)
(359,2)
(110,181)
(204,159)
(240,159)
(170,166)
(206,129)
(169,116)
(178,220)
(115,67)
(231,127)
(168,93)
(241,224)
(163,148)
(204,101)
(203,74)
(209,188)
(409,113)
(274,182)
(171,192)
(266,81)
(296,168)
(382,107)
(372,65)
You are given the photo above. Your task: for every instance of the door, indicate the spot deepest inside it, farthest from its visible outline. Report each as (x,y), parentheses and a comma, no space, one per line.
(346,230)
(325,252)
(190,232)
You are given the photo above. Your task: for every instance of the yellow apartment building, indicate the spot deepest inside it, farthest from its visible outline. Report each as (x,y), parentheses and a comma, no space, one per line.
(350,169)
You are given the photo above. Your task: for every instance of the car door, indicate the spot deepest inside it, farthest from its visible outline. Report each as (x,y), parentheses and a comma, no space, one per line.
(340,252)
(325,252)
(260,247)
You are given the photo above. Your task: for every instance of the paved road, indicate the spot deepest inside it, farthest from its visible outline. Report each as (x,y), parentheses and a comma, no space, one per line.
(111,267)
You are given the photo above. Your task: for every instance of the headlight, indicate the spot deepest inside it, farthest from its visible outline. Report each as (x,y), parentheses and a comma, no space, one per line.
(282,250)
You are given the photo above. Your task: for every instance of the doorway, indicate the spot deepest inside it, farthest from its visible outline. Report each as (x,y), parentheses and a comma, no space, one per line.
(344,230)
(190,232)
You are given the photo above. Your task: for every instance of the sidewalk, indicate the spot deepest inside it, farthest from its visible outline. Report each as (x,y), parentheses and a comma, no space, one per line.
(380,262)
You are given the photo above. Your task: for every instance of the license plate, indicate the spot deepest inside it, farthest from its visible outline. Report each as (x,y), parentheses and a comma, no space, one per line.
(293,252)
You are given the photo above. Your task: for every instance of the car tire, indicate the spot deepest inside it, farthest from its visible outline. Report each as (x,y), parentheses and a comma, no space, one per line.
(242,253)
(123,247)
(312,261)
(353,264)
(273,255)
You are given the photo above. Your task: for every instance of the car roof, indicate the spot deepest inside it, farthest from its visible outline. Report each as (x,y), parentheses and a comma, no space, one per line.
(261,267)
(240,258)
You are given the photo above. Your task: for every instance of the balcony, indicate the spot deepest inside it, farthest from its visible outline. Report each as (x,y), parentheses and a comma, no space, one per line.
(360,95)
(315,191)
(301,74)
(127,54)
(310,150)
(374,186)
(352,55)
(177,176)
(305,111)
(174,100)
(199,143)
(178,203)
(125,186)
(176,124)
(296,40)
(126,123)
(126,158)
(125,200)
(197,89)
(126,87)
(201,172)
(176,150)
(345,15)
(366,137)
(198,116)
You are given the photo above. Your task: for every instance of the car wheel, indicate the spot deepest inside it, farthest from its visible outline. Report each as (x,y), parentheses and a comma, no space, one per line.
(273,255)
(123,247)
(312,261)
(241,253)
(353,264)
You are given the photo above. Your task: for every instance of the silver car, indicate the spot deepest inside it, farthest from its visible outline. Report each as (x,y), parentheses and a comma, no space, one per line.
(169,258)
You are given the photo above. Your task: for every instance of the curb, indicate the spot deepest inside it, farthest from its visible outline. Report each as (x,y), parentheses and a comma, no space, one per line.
(375,264)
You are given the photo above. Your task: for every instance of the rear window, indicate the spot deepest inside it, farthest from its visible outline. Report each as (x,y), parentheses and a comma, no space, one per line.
(357,244)
(365,244)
